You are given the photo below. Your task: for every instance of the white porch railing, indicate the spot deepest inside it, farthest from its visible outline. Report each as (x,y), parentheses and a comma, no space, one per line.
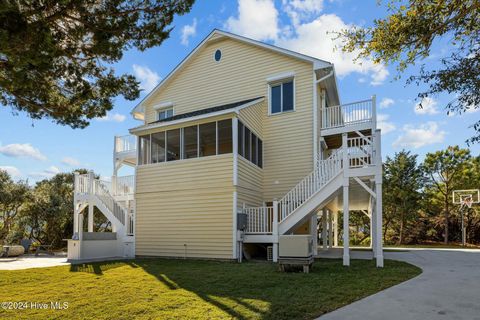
(81,184)
(124,185)
(320,176)
(126,143)
(348,114)
(259,220)
(360,151)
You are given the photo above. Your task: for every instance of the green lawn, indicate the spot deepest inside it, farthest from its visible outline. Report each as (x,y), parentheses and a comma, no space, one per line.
(190,289)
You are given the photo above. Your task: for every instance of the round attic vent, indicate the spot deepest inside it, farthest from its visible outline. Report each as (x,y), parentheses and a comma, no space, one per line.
(218,55)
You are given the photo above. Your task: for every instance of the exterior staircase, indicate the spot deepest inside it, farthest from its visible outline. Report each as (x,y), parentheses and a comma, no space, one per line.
(101,193)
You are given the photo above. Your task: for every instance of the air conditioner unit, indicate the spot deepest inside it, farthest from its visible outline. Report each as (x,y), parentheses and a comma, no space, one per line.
(295,246)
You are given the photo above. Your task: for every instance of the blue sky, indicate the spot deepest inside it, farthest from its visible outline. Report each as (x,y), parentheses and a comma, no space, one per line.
(33,149)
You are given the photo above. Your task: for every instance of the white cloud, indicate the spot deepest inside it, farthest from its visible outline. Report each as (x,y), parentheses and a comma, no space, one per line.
(45,174)
(386,102)
(420,136)
(148,78)
(317,39)
(257,19)
(426,106)
(385,125)
(14,172)
(18,150)
(70,161)
(189,30)
(115,117)
(307,32)
(300,10)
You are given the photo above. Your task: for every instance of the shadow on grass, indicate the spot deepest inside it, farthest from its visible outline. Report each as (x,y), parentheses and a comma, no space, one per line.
(259,290)
(99,267)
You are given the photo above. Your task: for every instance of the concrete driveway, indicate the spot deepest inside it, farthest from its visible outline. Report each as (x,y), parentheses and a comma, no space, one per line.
(448,288)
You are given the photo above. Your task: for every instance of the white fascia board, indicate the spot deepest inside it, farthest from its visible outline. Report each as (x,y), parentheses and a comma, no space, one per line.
(195,118)
(280,76)
(163,105)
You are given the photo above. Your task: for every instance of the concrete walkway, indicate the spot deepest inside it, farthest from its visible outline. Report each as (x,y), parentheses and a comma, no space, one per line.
(448,288)
(30,261)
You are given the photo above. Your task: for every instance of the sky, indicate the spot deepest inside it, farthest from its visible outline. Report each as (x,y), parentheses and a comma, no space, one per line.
(38,149)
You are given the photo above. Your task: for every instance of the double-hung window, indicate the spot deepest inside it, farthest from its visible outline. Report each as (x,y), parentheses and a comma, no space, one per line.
(165,113)
(282,96)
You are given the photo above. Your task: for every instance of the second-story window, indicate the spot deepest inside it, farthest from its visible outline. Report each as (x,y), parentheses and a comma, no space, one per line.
(282,96)
(165,113)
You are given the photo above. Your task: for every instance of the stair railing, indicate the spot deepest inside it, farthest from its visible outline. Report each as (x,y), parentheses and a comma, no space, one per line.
(324,171)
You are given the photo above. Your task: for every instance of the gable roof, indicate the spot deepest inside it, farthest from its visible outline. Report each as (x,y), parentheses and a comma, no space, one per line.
(200,114)
(317,63)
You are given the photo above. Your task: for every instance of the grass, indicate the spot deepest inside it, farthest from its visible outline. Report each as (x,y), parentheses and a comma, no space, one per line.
(191,289)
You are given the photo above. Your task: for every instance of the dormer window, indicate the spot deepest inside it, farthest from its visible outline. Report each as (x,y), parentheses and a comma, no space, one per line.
(165,113)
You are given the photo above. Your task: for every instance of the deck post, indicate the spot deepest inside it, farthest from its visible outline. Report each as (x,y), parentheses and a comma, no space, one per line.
(91,177)
(75,204)
(378,202)
(330,229)
(335,229)
(346,218)
(275,231)
(324,228)
(90,217)
(346,207)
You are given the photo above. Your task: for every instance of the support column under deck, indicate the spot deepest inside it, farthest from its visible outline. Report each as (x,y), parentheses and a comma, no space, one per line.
(378,222)
(346,218)
(324,228)
(330,229)
(335,229)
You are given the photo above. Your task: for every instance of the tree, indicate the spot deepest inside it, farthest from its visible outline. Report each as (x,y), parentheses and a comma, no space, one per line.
(12,197)
(402,181)
(405,37)
(443,169)
(56,56)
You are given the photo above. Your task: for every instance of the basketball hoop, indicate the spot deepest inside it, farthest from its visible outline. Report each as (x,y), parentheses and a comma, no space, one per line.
(465,198)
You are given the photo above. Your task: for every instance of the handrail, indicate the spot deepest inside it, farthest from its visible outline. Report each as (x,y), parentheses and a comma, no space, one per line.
(259,220)
(324,171)
(101,191)
(348,114)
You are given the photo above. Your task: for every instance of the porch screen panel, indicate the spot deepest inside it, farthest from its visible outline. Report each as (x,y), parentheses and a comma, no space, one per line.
(247,151)
(173,145)
(190,142)
(144,150)
(254,148)
(225,136)
(260,154)
(240,139)
(158,147)
(207,139)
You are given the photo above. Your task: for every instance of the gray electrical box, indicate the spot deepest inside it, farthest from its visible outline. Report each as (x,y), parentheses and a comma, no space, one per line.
(241,221)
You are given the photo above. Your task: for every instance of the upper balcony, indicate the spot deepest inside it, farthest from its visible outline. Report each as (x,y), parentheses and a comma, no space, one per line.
(125,150)
(355,116)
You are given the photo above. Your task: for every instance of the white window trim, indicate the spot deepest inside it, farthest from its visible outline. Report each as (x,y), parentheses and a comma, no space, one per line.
(158,111)
(276,81)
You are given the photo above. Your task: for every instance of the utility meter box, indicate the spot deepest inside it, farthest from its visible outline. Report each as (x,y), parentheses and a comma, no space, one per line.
(295,246)
(241,221)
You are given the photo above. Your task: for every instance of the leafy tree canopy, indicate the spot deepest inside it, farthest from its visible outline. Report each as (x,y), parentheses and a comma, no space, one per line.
(56,56)
(405,37)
